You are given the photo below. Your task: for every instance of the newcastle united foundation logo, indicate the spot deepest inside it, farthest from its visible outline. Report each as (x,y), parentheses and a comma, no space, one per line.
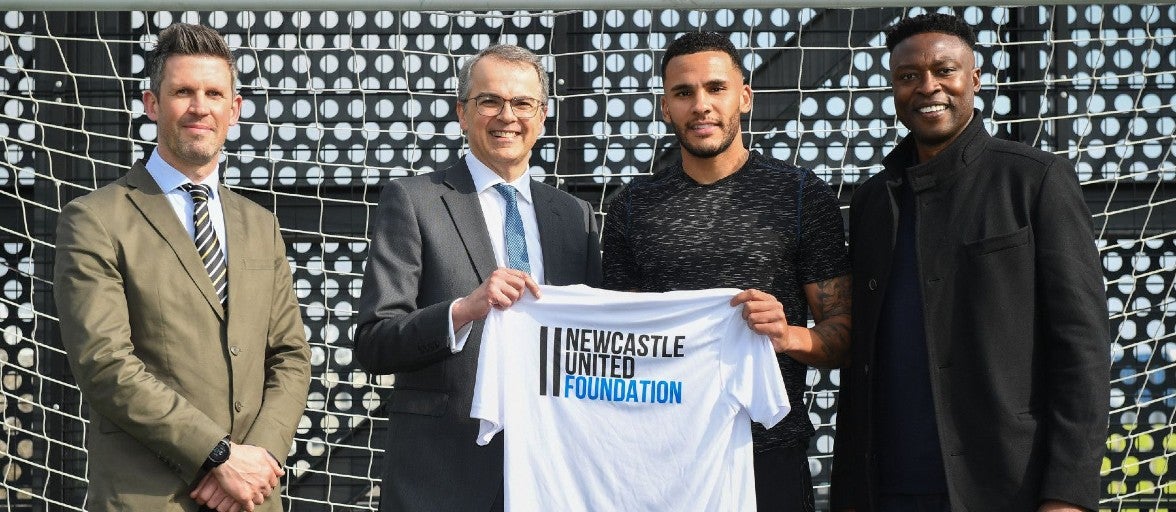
(591,364)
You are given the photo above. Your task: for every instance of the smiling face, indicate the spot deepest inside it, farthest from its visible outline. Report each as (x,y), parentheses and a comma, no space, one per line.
(705,96)
(194,109)
(935,81)
(502,142)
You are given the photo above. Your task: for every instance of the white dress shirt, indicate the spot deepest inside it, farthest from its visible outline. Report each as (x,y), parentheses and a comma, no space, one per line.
(494,214)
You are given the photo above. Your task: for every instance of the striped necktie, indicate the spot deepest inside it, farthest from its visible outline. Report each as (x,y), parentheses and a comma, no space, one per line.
(206,243)
(514,236)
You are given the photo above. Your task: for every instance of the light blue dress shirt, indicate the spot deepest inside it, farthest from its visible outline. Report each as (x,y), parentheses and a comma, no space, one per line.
(493,208)
(170,180)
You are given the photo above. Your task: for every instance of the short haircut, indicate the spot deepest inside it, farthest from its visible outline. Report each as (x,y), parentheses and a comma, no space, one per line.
(185,39)
(698,42)
(949,24)
(508,53)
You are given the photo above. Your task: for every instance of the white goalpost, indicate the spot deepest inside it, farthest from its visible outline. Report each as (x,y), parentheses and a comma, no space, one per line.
(338,103)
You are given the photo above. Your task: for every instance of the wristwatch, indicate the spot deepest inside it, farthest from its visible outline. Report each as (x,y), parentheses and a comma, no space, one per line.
(218,455)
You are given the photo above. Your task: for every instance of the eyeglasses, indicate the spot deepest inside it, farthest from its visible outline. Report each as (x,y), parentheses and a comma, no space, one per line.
(491,105)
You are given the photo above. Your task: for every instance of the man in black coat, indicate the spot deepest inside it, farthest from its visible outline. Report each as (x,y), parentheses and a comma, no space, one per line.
(980,365)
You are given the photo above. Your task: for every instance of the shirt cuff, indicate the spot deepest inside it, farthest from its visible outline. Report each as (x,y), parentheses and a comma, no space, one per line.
(457,340)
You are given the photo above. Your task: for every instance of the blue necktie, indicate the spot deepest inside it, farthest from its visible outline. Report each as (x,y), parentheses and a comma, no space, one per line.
(515,237)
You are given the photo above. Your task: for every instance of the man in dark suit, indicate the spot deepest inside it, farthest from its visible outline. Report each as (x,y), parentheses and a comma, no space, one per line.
(979,364)
(446,247)
(177,311)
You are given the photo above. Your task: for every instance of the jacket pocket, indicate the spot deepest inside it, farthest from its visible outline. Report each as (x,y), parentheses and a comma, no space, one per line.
(416,401)
(258,264)
(997,243)
(1033,414)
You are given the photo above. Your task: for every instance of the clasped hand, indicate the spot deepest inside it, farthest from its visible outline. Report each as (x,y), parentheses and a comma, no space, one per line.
(243,482)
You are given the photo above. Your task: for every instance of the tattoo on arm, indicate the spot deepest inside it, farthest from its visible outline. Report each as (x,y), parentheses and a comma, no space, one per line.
(829,301)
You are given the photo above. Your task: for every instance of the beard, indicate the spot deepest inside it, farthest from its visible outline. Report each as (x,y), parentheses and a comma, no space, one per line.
(192,151)
(706,151)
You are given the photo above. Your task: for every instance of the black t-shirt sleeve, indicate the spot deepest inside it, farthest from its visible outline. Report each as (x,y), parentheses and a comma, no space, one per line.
(822,252)
(618,263)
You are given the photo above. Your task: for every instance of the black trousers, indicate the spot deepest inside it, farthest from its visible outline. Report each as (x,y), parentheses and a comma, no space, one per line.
(782,480)
(913,503)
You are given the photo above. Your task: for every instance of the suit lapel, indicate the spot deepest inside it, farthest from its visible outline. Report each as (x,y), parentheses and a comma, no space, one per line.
(551,228)
(237,242)
(461,200)
(149,199)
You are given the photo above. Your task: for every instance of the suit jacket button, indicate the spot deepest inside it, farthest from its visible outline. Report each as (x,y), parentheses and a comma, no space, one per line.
(235,350)
(237,406)
(872,284)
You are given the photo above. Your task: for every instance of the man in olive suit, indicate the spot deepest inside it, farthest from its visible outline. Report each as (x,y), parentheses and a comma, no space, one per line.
(177,311)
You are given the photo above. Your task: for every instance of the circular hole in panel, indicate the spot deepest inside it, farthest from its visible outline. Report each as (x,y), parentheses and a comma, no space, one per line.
(670,18)
(780,17)
(752,17)
(642,18)
(614,18)
(725,17)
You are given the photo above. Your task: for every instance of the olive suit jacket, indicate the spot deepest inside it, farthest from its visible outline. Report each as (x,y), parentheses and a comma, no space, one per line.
(167,371)
(429,247)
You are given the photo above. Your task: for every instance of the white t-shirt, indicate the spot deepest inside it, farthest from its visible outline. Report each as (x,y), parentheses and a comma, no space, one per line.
(626,401)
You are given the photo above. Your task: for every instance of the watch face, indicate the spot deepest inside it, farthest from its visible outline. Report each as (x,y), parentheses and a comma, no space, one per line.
(220,453)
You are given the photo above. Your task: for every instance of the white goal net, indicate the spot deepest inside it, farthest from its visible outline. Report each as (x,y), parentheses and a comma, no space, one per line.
(339,103)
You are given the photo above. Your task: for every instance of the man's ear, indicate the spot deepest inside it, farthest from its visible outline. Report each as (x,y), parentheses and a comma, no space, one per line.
(151,105)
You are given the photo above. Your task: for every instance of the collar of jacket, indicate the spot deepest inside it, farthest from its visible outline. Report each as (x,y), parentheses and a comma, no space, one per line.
(942,170)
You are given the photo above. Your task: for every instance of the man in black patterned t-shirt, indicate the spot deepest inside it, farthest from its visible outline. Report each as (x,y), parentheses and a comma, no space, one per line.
(727,217)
